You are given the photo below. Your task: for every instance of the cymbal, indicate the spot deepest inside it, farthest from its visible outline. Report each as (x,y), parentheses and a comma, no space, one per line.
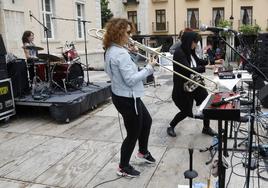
(49,57)
(34,48)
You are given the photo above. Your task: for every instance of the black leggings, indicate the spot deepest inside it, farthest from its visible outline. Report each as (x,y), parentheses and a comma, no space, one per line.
(186,105)
(137,126)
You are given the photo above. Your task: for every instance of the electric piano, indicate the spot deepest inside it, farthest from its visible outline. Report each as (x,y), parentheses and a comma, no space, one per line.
(223,106)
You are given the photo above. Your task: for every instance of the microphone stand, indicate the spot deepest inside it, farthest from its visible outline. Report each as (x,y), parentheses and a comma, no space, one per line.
(258,72)
(46,30)
(85,40)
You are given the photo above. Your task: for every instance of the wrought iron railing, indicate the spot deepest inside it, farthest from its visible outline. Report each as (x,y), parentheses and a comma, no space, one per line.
(160,26)
(126,2)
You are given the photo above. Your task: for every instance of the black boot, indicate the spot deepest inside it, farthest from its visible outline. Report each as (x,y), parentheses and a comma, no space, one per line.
(209,131)
(171,132)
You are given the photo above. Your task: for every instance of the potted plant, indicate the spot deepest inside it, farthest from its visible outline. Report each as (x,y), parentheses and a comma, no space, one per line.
(249,33)
(249,29)
(224,24)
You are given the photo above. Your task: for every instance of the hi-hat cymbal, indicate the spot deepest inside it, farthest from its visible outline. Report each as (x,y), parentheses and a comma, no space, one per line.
(49,57)
(34,48)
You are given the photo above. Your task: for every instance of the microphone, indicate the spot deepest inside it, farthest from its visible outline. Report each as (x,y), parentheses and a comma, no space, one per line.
(30,14)
(216,29)
(53,18)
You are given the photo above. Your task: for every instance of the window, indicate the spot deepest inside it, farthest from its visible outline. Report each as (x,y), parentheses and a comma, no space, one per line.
(246,15)
(217,16)
(193,18)
(132,16)
(160,19)
(47,12)
(80,13)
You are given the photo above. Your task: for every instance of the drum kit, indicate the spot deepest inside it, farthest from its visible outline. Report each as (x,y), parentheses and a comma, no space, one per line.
(51,71)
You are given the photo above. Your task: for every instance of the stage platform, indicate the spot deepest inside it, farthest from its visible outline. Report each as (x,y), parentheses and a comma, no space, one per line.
(65,106)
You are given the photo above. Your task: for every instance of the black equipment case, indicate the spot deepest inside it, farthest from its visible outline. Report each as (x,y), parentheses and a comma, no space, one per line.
(7,105)
(3,66)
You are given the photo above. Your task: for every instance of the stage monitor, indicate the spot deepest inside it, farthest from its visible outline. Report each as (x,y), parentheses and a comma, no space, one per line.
(261,59)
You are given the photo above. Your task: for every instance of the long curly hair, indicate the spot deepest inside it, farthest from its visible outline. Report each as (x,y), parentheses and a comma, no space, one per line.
(115,31)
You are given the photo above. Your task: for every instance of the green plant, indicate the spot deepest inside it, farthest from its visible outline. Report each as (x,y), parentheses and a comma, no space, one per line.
(224,24)
(106,13)
(249,29)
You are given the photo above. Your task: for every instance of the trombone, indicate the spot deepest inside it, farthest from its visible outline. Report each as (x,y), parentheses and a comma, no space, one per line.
(98,34)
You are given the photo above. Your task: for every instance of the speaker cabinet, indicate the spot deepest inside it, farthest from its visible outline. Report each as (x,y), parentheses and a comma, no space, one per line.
(3,66)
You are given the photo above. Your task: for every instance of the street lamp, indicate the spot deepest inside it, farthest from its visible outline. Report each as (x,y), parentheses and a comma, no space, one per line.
(175,20)
(231,17)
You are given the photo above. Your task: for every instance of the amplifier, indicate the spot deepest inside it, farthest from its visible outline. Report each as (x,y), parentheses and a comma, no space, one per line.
(3,70)
(7,105)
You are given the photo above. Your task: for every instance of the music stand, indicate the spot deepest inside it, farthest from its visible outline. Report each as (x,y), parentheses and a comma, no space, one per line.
(85,40)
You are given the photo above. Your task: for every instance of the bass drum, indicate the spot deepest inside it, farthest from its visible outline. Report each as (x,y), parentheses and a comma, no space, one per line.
(69,74)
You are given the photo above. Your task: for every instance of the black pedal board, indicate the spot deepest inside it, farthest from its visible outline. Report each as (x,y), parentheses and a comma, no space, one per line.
(226,75)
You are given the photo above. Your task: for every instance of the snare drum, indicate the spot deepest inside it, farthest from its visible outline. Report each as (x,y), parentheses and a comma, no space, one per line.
(70,74)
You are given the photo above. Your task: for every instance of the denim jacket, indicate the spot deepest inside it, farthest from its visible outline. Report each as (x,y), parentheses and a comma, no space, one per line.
(125,78)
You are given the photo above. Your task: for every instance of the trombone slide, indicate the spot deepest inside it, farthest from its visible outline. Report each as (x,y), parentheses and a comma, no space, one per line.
(98,34)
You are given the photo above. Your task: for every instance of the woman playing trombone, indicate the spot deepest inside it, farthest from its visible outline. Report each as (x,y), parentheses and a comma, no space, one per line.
(127,90)
(185,54)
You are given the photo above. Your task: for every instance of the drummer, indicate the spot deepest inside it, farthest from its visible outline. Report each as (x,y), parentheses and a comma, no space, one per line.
(30,53)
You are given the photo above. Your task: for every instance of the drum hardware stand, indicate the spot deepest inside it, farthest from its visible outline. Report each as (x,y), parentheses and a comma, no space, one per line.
(46,30)
(56,84)
(85,40)
(64,85)
(36,80)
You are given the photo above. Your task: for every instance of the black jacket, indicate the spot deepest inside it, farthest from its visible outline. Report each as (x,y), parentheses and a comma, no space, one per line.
(178,93)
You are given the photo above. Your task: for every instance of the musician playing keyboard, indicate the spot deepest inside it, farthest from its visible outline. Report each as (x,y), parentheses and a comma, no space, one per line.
(185,54)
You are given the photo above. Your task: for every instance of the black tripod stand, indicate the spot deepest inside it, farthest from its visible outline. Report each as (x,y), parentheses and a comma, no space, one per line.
(256,74)
(212,150)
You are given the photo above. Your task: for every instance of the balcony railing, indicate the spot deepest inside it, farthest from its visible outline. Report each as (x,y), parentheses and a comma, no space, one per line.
(212,23)
(128,2)
(251,22)
(159,1)
(137,27)
(188,25)
(160,26)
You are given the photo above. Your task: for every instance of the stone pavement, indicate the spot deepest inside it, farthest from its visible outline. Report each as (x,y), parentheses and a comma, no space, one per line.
(37,152)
